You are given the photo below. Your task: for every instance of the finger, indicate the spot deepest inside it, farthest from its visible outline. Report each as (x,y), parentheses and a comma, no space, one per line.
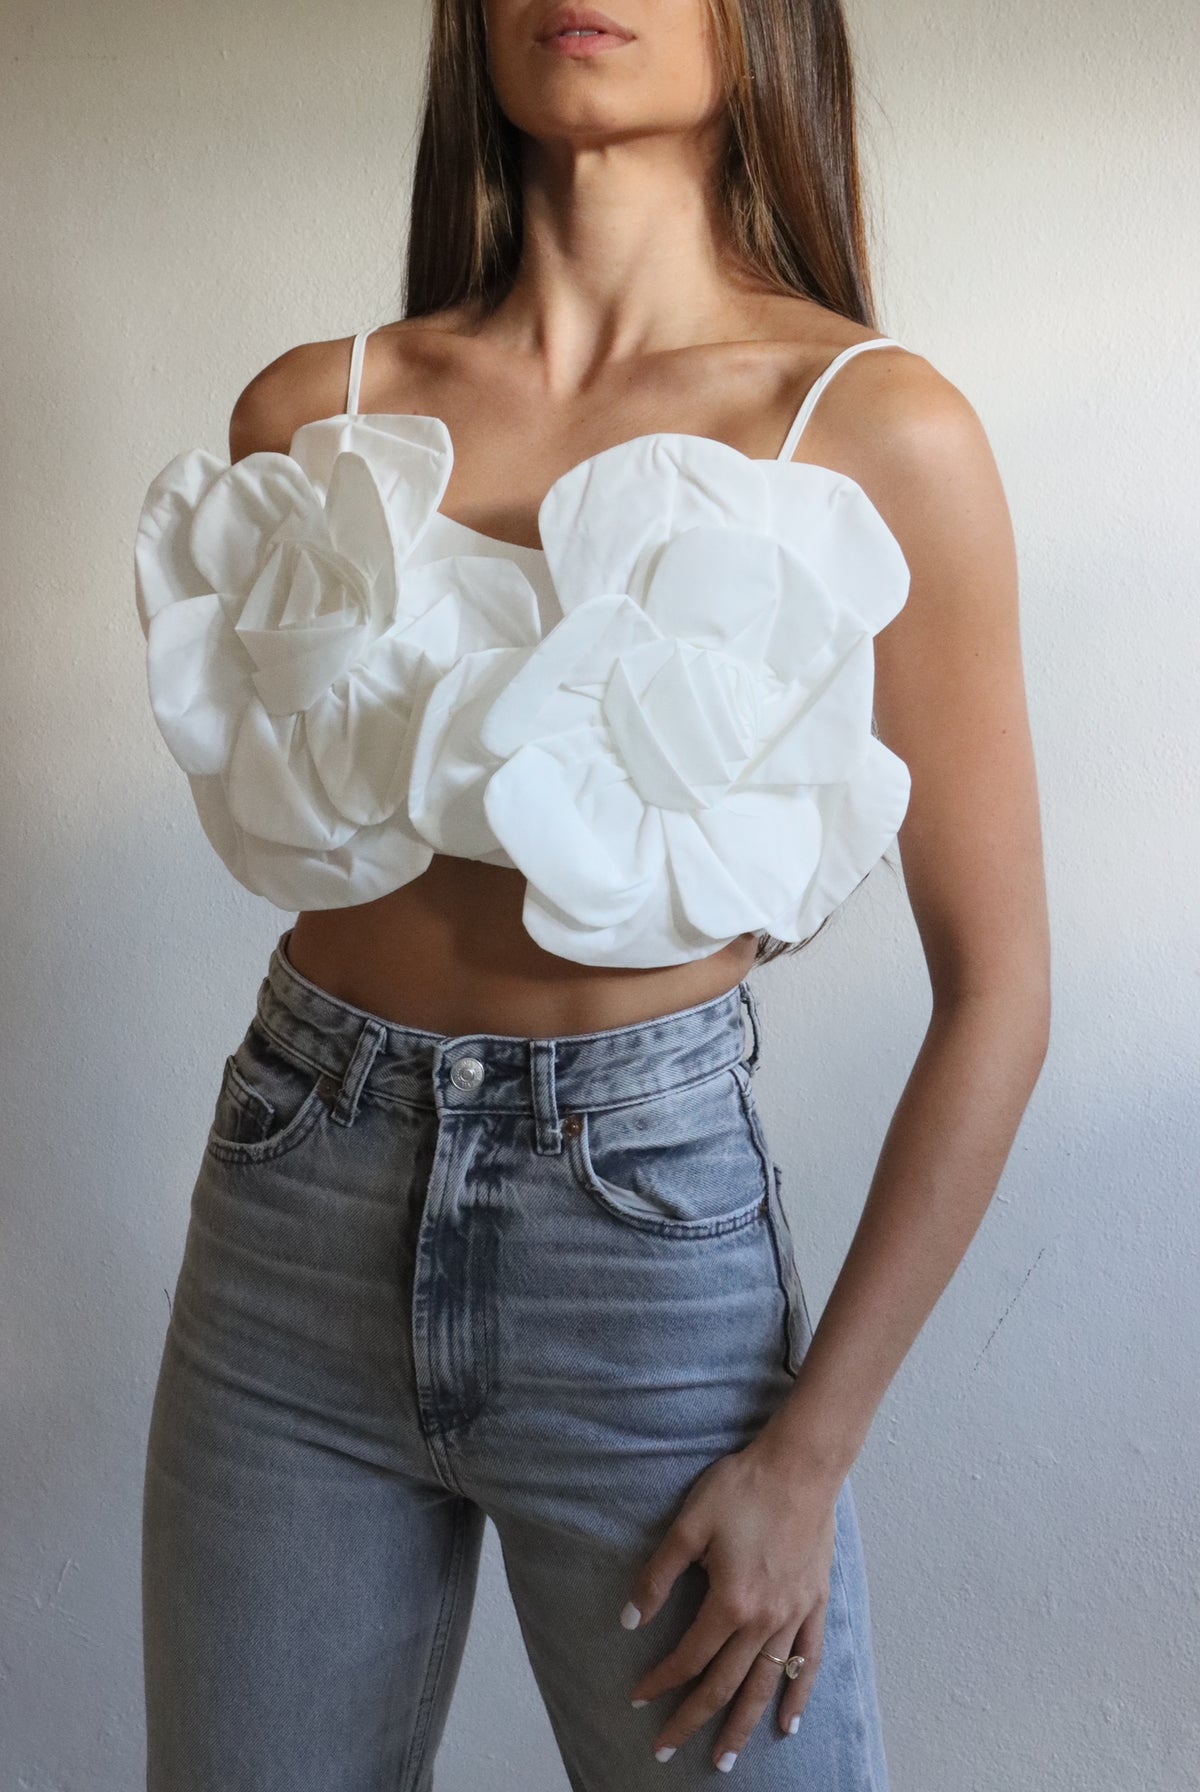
(760,1686)
(809,1642)
(738,1677)
(683,1544)
(710,1630)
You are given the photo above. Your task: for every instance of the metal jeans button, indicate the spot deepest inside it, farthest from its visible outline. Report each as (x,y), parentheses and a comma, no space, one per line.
(466,1073)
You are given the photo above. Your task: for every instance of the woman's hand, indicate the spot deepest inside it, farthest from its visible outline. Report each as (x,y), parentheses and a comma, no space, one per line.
(764,1533)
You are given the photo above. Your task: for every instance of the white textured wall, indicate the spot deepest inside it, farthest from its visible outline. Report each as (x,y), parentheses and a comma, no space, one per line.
(187,191)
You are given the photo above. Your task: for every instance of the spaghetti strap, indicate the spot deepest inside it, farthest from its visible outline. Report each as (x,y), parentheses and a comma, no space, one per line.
(810,401)
(356,369)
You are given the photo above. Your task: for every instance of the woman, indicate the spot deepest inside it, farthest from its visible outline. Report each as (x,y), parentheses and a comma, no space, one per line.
(559,659)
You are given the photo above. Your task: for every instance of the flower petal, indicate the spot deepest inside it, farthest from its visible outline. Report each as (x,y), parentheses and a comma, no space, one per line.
(356,731)
(654,934)
(718,588)
(465,603)
(300,631)
(738,863)
(444,769)
(199,681)
(666,765)
(372,864)
(829,521)
(859,819)
(543,813)
(235,523)
(585,642)
(410,457)
(275,791)
(818,735)
(163,568)
(358,529)
(703,710)
(221,831)
(604,523)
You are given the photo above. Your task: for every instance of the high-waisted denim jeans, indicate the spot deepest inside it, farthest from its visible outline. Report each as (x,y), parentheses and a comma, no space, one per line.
(429,1280)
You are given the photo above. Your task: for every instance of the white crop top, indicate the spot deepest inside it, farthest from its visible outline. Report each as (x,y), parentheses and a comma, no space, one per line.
(661,717)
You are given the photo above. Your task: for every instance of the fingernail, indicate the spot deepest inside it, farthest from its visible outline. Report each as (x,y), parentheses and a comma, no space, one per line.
(638,1703)
(793,1726)
(663,1754)
(631,1617)
(725,1764)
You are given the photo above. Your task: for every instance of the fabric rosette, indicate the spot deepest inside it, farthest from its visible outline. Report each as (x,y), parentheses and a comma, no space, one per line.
(687,755)
(289,639)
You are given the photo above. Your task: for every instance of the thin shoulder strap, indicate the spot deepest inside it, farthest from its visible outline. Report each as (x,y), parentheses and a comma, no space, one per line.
(356,369)
(810,401)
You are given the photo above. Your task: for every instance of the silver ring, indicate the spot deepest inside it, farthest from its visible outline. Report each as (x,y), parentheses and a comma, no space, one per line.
(791,1664)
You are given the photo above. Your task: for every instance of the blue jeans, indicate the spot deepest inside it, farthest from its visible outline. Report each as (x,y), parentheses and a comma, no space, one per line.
(430,1280)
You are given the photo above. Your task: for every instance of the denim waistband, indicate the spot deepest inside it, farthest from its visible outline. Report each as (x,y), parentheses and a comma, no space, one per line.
(507,1072)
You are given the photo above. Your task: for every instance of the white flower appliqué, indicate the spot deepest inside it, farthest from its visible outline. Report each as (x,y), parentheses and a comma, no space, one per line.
(687,755)
(288,642)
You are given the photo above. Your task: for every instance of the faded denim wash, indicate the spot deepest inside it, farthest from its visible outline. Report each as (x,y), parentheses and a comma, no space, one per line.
(430,1280)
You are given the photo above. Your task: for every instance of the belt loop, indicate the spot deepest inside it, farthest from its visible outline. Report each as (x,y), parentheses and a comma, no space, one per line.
(546,1120)
(747,995)
(356,1071)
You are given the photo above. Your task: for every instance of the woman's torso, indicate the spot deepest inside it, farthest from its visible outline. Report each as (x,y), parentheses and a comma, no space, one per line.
(448,950)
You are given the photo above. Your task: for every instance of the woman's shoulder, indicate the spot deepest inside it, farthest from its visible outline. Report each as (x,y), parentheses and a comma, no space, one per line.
(891,420)
(809,339)
(310,380)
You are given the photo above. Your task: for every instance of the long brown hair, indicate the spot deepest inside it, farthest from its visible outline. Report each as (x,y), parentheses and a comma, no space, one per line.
(790,182)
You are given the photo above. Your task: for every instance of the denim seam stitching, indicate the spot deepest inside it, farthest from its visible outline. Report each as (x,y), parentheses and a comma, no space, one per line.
(292,1052)
(386,1099)
(254,1106)
(370,1097)
(790,1365)
(765,1161)
(855,1645)
(437,1651)
(482,1337)
(637,1101)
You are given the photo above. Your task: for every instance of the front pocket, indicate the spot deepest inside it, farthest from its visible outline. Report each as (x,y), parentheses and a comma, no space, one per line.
(267,1102)
(683,1164)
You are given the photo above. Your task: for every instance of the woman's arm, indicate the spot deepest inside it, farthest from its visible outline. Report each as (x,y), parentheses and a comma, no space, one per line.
(950,699)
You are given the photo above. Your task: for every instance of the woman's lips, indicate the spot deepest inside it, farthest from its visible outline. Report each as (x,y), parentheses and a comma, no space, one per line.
(582,43)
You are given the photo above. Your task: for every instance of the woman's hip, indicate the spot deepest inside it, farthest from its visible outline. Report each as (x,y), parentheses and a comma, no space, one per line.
(394,1223)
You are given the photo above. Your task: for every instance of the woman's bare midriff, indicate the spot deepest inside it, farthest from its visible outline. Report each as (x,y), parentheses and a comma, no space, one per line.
(448,952)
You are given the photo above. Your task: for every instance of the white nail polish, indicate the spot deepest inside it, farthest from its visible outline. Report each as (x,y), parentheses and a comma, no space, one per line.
(725,1764)
(631,1617)
(793,1725)
(663,1754)
(638,1703)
